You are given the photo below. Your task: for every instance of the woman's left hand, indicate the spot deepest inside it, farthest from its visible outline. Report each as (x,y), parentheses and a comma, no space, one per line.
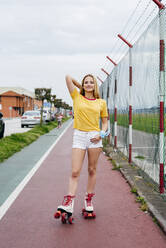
(95,139)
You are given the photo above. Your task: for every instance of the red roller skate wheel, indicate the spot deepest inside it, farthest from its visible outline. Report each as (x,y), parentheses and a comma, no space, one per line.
(71,220)
(83,211)
(64,218)
(88,215)
(85,215)
(57,214)
(94,215)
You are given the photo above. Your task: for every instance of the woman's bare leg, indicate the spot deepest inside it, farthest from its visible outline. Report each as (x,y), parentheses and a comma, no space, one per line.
(77,161)
(93,156)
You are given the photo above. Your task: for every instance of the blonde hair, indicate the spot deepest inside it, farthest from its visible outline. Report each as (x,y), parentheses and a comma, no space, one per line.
(96,89)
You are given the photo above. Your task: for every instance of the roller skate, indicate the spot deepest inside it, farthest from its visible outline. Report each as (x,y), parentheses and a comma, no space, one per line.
(65,210)
(88,212)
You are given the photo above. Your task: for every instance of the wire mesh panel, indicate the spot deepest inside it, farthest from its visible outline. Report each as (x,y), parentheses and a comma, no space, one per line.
(146,100)
(123,103)
(111,102)
(105,88)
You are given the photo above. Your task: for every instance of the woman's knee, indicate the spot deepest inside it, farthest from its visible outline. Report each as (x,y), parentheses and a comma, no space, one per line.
(92,171)
(75,174)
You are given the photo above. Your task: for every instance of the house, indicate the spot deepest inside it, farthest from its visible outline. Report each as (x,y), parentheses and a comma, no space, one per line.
(37,104)
(14,101)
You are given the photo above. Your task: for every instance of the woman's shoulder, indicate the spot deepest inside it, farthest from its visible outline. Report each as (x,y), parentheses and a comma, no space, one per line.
(102,103)
(74,93)
(101,100)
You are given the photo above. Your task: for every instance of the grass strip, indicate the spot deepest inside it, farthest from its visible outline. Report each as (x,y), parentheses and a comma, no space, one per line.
(15,142)
(140,157)
(148,122)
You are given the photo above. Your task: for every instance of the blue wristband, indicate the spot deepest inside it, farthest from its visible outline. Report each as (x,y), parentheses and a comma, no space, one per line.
(104,134)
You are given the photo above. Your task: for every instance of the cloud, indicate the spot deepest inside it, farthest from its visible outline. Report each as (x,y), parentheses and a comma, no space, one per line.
(47,71)
(58,27)
(43,40)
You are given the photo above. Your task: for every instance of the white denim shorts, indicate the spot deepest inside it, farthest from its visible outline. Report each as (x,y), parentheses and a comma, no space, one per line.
(81,139)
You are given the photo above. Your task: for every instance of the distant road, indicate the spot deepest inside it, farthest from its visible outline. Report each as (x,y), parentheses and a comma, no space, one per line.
(14,126)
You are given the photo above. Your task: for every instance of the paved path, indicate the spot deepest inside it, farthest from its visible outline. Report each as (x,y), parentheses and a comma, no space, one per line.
(29,222)
(23,163)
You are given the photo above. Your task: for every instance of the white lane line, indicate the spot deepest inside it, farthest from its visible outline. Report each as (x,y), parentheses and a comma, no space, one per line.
(6,205)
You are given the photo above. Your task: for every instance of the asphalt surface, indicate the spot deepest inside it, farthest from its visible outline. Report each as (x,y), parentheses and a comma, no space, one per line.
(14,126)
(14,170)
(119,223)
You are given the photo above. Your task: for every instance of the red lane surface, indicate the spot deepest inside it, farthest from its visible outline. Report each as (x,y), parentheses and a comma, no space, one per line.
(29,223)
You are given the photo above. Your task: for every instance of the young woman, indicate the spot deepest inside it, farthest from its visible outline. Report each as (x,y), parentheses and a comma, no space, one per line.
(59,118)
(88,109)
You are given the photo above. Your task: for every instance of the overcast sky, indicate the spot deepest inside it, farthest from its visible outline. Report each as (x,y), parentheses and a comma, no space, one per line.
(43,40)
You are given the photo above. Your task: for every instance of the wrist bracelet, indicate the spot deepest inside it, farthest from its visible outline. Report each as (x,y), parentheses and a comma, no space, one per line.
(104,134)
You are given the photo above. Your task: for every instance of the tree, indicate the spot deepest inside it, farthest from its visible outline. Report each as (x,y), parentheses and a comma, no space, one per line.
(58,103)
(66,106)
(52,100)
(42,94)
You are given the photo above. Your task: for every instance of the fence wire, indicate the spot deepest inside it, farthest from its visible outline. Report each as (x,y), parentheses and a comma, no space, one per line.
(145,100)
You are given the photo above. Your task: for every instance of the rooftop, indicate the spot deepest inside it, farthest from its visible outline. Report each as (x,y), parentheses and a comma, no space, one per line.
(18,90)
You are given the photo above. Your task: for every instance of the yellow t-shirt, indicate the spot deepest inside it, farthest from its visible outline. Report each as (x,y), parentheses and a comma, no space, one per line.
(87,112)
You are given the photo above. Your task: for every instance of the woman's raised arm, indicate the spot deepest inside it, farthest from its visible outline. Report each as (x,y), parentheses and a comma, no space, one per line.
(71,83)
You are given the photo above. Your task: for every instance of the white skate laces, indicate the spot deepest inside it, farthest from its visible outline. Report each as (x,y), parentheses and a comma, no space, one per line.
(88,201)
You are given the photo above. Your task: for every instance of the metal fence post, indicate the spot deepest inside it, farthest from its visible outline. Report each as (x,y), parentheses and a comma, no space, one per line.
(130,97)
(161,95)
(115,104)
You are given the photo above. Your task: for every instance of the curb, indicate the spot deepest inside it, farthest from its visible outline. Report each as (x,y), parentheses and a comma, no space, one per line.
(151,209)
(156,204)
